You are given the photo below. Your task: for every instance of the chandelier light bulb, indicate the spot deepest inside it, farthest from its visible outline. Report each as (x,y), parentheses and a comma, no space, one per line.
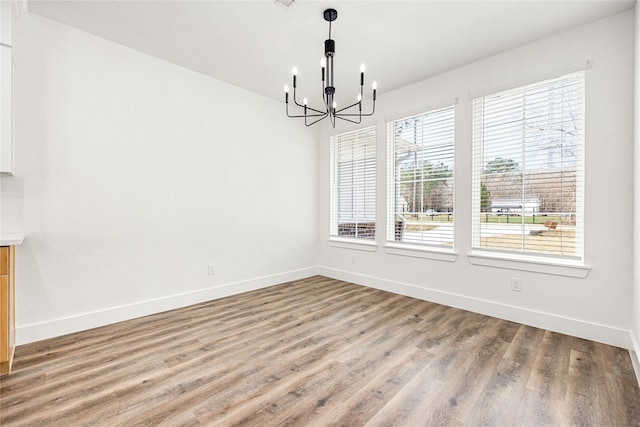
(323,62)
(359,97)
(286,88)
(335,105)
(294,70)
(374,85)
(362,68)
(304,101)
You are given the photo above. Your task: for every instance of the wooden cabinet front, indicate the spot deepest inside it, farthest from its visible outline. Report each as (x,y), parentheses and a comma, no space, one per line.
(7,307)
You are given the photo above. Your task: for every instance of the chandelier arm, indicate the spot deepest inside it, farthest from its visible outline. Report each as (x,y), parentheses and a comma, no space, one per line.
(356,115)
(326,103)
(346,108)
(289,115)
(307,115)
(373,110)
(341,117)
(295,100)
(325,98)
(296,116)
(308,108)
(317,111)
(302,116)
(324,116)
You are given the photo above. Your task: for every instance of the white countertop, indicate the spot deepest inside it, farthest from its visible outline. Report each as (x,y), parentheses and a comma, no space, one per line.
(11,239)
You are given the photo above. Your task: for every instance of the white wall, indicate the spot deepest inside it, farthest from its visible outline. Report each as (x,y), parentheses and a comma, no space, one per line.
(138,173)
(597,307)
(636,197)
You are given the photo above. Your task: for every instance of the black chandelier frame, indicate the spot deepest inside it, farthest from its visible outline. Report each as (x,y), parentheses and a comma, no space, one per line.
(312,115)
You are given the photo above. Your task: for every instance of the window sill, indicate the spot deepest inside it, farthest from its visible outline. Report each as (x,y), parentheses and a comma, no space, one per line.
(536,266)
(355,244)
(420,252)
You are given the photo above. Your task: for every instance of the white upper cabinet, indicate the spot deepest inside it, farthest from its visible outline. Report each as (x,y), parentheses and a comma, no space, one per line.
(6,23)
(6,110)
(6,88)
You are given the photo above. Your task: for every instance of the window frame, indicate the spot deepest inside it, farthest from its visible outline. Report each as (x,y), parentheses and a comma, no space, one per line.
(523,260)
(335,239)
(419,249)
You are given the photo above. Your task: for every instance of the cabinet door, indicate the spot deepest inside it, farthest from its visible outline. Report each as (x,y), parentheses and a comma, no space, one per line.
(6,110)
(5,309)
(6,22)
(4,260)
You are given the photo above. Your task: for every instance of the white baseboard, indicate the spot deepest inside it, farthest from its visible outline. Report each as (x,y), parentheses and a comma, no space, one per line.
(566,325)
(587,330)
(38,331)
(634,352)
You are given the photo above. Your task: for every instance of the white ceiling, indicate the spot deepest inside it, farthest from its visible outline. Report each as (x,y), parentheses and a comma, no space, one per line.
(254,44)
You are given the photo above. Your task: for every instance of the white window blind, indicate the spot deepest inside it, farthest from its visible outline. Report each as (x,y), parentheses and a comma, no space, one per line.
(353,184)
(421,177)
(528,146)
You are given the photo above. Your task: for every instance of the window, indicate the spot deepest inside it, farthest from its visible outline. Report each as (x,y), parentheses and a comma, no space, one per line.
(528,170)
(421,176)
(353,184)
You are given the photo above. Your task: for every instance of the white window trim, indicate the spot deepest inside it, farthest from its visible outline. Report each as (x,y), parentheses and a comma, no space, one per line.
(580,66)
(355,244)
(517,262)
(415,251)
(529,261)
(341,241)
(403,248)
(418,111)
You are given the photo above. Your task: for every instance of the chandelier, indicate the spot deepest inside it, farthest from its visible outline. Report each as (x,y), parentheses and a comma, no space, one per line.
(313,115)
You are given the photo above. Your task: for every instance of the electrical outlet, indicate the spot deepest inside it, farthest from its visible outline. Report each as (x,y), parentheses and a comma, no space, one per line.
(212,269)
(516,284)
(353,259)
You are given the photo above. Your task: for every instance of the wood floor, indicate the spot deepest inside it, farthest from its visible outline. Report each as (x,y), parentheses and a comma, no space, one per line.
(319,352)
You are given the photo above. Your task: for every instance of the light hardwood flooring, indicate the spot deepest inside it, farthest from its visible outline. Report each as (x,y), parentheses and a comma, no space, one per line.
(319,352)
